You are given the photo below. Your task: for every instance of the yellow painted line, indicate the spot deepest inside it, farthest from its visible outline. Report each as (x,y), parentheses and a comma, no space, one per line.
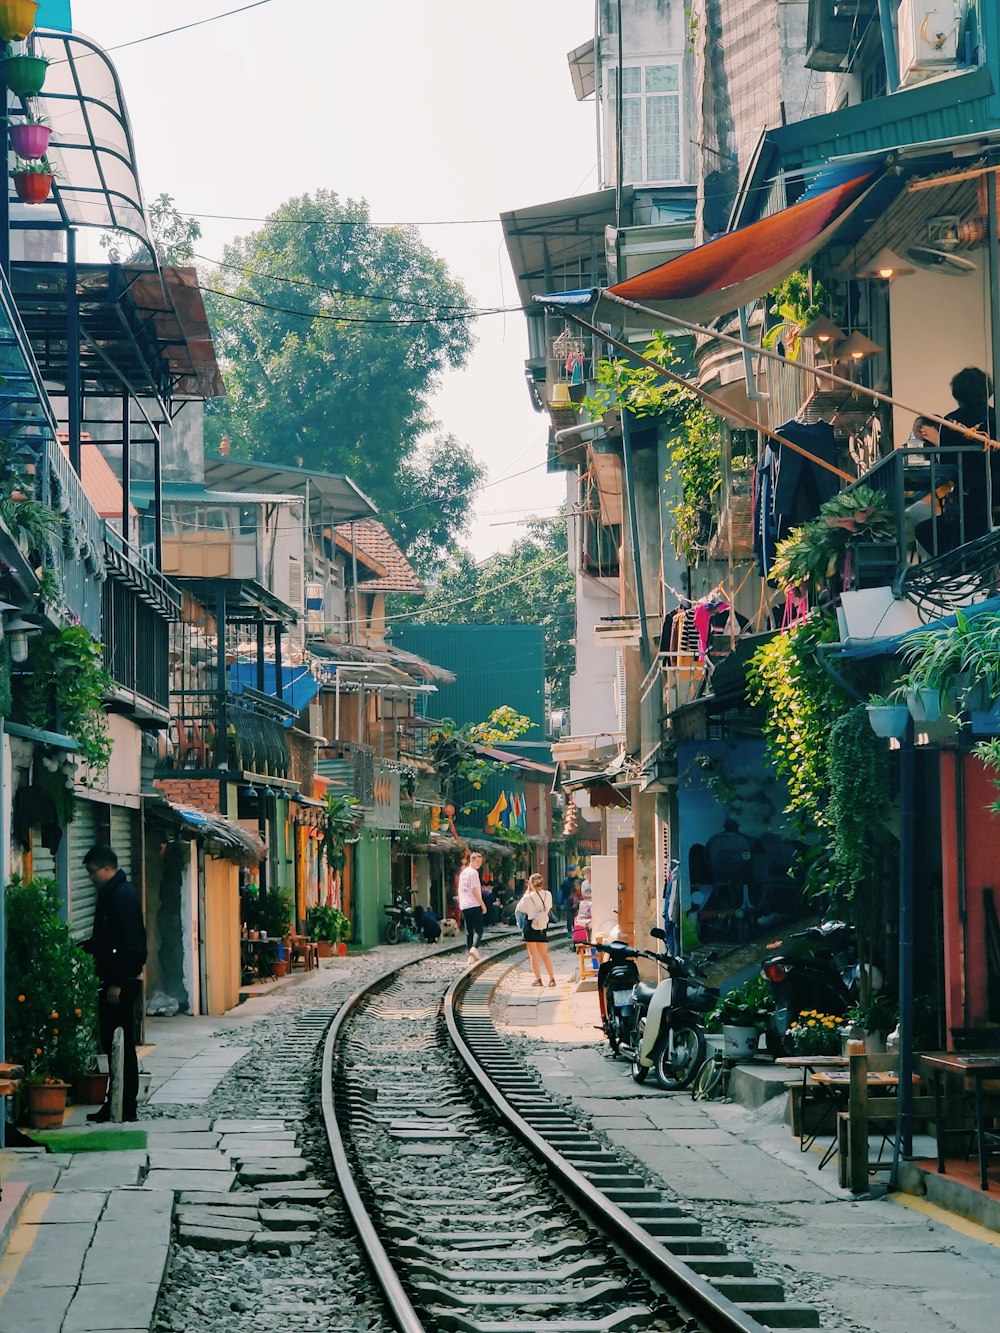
(957,1223)
(23,1237)
(34,1209)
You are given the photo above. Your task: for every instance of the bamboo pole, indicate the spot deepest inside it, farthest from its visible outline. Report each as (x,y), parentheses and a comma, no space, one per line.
(979,436)
(723,408)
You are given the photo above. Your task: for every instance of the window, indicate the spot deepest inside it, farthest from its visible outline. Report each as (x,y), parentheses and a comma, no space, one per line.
(651,121)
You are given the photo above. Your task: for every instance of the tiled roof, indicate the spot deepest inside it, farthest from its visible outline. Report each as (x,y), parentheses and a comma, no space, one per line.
(102,487)
(375,547)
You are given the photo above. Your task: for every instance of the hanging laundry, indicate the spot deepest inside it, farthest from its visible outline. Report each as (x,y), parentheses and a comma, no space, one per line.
(789,488)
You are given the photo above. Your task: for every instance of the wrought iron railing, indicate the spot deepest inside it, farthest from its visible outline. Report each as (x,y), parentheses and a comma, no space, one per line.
(254,740)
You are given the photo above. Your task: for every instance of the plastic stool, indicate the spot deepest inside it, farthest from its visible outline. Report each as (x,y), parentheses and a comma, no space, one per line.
(589,960)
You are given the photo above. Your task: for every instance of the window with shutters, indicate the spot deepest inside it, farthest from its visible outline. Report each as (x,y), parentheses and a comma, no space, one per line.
(651,123)
(296,585)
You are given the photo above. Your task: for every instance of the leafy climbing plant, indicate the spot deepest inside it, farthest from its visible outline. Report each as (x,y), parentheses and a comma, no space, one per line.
(795,302)
(695,443)
(65,687)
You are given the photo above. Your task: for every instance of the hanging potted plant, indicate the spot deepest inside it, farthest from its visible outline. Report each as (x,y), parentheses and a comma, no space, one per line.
(25,74)
(17,19)
(29,138)
(887,717)
(33,181)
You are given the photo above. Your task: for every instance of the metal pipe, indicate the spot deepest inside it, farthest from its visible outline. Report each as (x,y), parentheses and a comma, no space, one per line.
(5,192)
(907,838)
(888,46)
(126,463)
(994,253)
(222,728)
(74,404)
(157,500)
(633,523)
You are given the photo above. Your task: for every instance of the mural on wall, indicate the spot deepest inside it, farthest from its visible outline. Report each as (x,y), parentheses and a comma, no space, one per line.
(737,854)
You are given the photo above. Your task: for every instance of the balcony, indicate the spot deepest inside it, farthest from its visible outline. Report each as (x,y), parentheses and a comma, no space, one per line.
(944,553)
(255,745)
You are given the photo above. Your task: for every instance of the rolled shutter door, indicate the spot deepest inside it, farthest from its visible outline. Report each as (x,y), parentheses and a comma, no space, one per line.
(121,837)
(43,863)
(82,894)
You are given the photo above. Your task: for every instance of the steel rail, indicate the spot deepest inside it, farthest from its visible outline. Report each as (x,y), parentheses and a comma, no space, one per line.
(681,1283)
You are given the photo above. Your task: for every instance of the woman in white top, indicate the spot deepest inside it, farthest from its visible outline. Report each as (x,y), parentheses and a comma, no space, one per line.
(536,905)
(470,902)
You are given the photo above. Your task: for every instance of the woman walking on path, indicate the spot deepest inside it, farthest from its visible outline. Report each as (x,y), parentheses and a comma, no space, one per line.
(536,905)
(470,902)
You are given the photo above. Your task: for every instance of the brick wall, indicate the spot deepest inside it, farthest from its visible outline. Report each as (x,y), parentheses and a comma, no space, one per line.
(198,793)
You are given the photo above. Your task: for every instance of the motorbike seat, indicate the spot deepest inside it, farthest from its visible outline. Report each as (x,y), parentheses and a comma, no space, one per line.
(644,991)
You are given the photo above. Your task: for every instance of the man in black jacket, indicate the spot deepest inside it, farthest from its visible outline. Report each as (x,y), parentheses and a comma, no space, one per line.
(118,946)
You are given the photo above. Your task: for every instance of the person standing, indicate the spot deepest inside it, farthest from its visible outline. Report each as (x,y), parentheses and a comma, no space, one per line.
(470,902)
(118,947)
(536,905)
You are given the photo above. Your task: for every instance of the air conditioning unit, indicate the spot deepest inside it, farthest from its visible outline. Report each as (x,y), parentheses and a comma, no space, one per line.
(928,39)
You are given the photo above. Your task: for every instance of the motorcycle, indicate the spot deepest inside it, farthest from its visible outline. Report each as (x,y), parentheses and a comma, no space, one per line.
(816,969)
(617,978)
(400,923)
(667,1032)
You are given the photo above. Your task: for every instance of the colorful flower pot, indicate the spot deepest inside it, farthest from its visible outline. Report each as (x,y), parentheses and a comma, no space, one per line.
(33,187)
(46,1104)
(30,141)
(341,949)
(17,19)
(25,75)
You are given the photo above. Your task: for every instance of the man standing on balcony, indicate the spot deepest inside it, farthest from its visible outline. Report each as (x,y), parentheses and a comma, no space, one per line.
(966,513)
(118,947)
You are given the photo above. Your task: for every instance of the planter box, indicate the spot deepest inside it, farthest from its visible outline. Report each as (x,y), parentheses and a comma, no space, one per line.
(873,613)
(888,720)
(90,1089)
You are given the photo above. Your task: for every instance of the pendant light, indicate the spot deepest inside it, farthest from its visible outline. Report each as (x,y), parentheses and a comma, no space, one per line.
(823,331)
(887,265)
(856,347)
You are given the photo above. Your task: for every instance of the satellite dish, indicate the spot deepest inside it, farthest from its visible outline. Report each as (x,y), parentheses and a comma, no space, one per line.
(929,256)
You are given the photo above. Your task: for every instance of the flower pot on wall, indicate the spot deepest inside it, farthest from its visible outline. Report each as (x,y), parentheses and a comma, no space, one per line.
(30,141)
(33,187)
(46,1104)
(25,75)
(888,720)
(17,19)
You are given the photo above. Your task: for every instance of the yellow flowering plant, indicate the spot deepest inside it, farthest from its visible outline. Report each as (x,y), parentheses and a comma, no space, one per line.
(814,1033)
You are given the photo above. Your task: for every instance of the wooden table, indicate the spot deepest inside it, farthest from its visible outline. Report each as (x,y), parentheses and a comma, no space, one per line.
(974,1066)
(809,1064)
(257,958)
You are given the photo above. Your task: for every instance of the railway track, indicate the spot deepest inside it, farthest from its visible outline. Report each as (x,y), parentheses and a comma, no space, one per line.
(482,1205)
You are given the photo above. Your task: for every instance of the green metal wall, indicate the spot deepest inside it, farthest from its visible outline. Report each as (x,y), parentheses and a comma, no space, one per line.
(493,665)
(372,888)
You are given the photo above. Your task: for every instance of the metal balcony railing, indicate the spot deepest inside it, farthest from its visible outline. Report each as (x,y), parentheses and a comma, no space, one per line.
(255,739)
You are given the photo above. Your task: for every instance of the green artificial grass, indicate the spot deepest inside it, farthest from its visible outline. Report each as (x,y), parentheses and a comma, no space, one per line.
(97,1140)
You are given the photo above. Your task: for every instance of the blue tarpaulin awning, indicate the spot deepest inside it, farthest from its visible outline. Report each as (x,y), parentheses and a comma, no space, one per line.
(888,647)
(298,685)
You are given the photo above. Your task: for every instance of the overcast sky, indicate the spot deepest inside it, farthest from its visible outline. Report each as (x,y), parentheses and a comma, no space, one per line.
(443,111)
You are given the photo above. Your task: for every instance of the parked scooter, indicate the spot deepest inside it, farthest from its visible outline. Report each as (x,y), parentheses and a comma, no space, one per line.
(667,1032)
(816,969)
(617,978)
(400,923)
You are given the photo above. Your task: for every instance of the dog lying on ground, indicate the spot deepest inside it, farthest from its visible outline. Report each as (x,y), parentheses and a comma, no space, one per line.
(448,927)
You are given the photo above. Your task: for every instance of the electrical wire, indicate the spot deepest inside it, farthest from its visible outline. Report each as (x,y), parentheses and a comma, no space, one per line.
(185,27)
(333,291)
(355,319)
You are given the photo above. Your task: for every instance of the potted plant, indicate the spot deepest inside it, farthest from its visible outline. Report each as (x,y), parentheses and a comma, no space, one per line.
(872,1019)
(887,717)
(25,74)
(50,995)
(17,19)
(814,1033)
(276,916)
(29,138)
(330,928)
(46,1100)
(742,1013)
(33,180)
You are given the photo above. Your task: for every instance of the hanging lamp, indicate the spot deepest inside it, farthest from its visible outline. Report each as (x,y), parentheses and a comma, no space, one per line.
(856,347)
(886,265)
(824,331)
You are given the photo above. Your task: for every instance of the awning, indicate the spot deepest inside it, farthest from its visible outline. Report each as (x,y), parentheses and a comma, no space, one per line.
(222,837)
(298,684)
(717,278)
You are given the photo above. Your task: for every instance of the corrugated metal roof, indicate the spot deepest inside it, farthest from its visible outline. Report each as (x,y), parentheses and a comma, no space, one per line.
(494,665)
(939,109)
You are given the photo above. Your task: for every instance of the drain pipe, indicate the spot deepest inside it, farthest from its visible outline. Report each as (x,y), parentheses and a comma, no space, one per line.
(888,46)
(821,656)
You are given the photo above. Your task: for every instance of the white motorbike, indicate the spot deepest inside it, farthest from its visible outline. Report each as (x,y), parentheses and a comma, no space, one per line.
(668,1033)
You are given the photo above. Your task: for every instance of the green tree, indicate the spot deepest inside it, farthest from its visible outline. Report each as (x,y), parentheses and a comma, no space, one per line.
(172,233)
(436,486)
(333,334)
(529,584)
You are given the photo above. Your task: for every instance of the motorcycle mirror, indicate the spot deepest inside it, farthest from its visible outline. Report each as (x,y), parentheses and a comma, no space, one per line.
(657,933)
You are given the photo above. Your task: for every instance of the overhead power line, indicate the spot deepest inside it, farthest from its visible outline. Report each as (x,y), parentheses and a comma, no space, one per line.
(356,319)
(184,27)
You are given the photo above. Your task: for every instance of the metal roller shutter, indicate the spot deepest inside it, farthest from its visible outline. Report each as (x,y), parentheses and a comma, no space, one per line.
(43,863)
(121,837)
(82,894)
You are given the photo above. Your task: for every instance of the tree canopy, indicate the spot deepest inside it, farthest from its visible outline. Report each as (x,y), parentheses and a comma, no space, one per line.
(531,583)
(333,334)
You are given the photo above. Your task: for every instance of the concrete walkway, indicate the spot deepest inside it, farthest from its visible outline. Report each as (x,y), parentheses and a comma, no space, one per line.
(887,1265)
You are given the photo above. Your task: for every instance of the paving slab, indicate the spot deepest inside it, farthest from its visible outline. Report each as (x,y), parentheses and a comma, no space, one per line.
(223,1219)
(286,1219)
(47,1209)
(196,1124)
(137,1206)
(32,1309)
(157,1141)
(205,1198)
(102,1171)
(184,1159)
(109,1307)
(53,1255)
(120,1248)
(247,1126)
(272,1169)
(37,1170)
(190,1180)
